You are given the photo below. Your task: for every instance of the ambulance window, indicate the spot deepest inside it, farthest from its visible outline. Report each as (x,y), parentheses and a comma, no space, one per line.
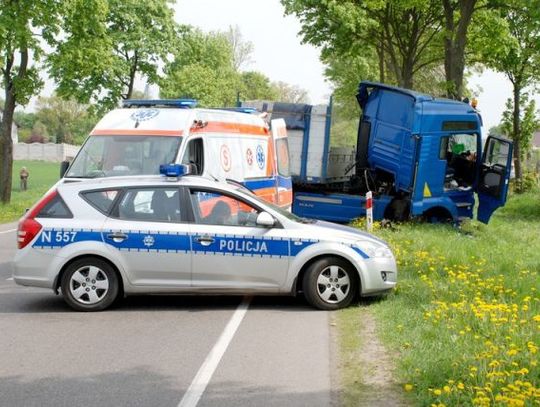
(282,147)
(101,200)
(214,208)
(194,156)
(150,204)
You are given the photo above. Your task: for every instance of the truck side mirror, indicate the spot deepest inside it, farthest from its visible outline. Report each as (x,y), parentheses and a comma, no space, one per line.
(64,165)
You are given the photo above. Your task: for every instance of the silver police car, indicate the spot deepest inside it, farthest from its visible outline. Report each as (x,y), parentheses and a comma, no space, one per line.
(98,240)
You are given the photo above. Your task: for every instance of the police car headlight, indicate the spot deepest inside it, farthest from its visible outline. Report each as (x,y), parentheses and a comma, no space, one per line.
(375,250)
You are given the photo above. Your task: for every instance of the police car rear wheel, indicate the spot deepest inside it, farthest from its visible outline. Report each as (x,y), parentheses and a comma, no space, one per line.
(89,284)
(329,284)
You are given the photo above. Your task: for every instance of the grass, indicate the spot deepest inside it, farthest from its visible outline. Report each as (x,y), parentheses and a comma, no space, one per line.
(465,318)
(42,176)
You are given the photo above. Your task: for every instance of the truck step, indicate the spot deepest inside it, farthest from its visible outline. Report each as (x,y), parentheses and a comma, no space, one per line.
(463,204)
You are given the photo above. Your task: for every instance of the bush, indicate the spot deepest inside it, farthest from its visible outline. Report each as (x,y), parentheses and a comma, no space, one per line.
(527,183)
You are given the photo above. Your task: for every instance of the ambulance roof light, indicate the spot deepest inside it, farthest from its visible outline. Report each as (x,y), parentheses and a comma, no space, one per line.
(248,110)
(174,170)
(180,103)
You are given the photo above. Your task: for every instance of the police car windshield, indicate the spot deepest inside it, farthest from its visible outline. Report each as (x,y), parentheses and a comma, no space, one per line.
(106,156)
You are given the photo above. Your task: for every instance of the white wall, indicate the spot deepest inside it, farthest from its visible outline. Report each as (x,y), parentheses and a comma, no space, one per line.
(44,152)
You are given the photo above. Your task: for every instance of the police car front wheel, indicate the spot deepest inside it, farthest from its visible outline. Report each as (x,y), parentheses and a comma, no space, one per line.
(89,284)
(329,283)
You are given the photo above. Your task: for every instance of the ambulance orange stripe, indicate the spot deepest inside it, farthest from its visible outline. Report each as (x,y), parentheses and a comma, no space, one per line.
(225,127)
(137,132)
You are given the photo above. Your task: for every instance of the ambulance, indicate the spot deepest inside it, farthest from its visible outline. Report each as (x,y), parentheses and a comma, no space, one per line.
(234,145)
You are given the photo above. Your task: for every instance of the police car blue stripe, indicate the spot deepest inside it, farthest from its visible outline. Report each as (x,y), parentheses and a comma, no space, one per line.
(173,242)
(60,238)
(360,252)
(243,246)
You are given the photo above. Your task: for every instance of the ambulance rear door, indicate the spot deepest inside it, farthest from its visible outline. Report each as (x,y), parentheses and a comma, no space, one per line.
(281,164)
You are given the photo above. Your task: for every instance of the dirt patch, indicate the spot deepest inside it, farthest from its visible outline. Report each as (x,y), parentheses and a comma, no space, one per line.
(366,366)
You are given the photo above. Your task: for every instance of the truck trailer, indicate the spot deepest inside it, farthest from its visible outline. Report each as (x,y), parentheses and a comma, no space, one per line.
(421,156)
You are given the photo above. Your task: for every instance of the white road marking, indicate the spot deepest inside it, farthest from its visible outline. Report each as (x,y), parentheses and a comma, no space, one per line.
(7,231)
(9,279)
(207,369)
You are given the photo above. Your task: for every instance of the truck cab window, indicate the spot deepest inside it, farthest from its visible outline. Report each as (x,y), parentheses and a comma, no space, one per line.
(460,153)
(194,156)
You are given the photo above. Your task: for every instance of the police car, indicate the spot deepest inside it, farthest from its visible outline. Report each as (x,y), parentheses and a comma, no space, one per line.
(98,240)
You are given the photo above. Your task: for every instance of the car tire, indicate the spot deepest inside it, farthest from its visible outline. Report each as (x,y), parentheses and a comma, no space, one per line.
(90,284)
(330,283)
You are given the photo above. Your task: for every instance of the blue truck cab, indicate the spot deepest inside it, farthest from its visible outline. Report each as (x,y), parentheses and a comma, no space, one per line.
(421,156)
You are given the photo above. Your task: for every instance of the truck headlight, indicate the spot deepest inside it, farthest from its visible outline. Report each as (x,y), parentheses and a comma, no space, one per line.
(375,250)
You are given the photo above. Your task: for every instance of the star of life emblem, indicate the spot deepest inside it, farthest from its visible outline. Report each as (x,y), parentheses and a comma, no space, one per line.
(142,115)
(148,240)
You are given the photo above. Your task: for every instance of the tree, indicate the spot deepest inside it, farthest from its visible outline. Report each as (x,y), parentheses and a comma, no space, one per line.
(24,27)
(290,93)
(202,69)
(518,57)
(529,122)
(404,35)
(104,52)
(66,120)
(257,86)
(241,49)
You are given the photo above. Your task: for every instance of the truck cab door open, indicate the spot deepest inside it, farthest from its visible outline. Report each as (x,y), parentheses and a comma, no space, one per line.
(494,176)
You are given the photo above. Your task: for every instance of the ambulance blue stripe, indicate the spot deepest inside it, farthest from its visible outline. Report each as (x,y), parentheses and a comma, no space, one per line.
(260,183)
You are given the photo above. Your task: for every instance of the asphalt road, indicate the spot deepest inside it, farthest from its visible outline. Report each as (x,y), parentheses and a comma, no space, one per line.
(156,351)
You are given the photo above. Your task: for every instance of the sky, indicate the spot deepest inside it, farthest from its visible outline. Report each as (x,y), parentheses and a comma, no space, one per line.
(280,55)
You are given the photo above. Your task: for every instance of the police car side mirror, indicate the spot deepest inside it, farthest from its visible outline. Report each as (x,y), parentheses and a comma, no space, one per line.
(64,165)
(265,219)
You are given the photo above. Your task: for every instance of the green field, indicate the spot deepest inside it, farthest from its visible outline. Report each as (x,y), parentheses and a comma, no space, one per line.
(464,322)
(42,176)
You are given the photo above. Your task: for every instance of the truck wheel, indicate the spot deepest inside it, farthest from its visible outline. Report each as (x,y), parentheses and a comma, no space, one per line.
(329,284)
(89,284)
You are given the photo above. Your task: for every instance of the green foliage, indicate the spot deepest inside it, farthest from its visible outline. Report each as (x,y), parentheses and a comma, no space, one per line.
(42,176)
(466,308)
(405,35)
(25,120)
(257,86)
(65,120)
(25,26)
(529,182)
(108,43)
(202,69)
(529,119)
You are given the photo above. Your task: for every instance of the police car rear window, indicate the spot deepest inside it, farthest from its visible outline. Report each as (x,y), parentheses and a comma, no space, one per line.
(101,200)
(56,208)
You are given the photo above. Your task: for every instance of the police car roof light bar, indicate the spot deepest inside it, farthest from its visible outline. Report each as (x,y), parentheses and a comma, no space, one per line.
(181,103)
(174,170)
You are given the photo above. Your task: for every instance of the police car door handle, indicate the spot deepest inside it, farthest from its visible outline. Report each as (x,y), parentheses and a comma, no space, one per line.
(205,240)
(117,237)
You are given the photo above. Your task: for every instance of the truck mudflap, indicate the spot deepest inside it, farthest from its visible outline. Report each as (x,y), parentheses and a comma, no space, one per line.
(341,208)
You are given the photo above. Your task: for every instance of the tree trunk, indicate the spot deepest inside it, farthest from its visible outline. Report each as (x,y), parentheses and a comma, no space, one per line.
(380,54)
(133,71)
(455,43)
(516,130)
(6,146)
